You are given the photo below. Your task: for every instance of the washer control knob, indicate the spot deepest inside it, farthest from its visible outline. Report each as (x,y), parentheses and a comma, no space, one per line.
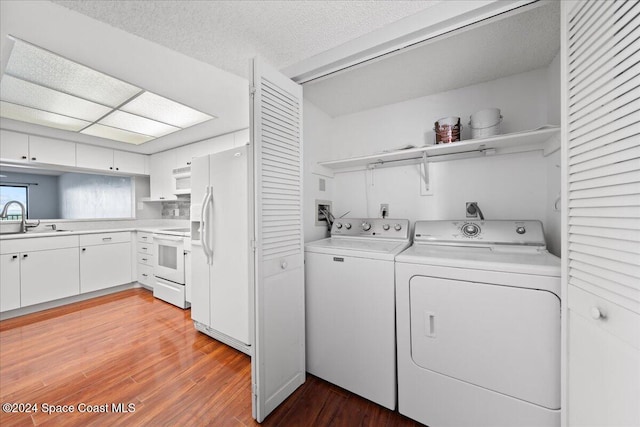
(521,230)
(397,227)
(385,227)
(347,226)
(338,225)
(366,226)
(470,230)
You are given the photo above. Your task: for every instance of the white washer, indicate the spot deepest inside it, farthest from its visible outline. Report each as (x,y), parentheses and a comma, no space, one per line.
(350,306)
(478,318)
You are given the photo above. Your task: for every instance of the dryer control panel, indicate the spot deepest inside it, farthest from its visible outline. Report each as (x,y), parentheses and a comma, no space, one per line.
(371,227)
(487,233)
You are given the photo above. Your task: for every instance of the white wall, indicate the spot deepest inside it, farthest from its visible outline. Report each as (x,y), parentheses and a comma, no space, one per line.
(553,218)
(514,186)
(316,142)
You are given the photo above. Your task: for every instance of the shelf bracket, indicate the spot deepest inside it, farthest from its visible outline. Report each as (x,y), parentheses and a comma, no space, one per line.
(425,176)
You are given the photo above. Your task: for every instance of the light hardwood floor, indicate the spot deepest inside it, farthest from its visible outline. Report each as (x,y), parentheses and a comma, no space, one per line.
(130,348)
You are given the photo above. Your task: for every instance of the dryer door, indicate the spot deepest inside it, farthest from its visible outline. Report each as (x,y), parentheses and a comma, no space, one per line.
(501,338)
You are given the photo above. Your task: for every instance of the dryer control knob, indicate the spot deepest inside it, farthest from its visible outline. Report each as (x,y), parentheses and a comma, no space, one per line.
(470,230)
(386,227)
(347,226)
(521,230)
(366,226)
(397,227)
(338,225)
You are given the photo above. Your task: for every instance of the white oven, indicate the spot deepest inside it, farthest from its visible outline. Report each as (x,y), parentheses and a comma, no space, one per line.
(168,269)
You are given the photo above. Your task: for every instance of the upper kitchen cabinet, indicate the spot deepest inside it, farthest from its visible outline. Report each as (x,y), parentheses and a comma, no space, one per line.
(18,147)
(161,170)
(186,153)
(106,159)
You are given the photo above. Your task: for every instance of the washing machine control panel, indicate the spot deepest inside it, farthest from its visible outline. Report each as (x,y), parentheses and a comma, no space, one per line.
(488,233)
(371,227)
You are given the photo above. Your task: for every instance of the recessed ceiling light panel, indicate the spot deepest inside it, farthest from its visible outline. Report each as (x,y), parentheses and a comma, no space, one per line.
(27,94)
(116,134)
(165,110)
(133,123)
(39,117)
(41,87)
(47,69)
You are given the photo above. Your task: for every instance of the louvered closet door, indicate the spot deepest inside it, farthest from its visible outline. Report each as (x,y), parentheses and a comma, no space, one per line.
(278,365)
(602,242)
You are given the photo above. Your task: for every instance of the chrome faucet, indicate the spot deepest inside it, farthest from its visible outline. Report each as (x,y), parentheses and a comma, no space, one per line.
(5,214)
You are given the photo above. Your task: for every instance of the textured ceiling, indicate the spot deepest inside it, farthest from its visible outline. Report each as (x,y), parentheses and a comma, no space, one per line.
(227,34)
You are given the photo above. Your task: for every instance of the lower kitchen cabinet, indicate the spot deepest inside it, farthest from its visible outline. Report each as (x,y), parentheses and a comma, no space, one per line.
(105,261)
(48,275)
(9,282)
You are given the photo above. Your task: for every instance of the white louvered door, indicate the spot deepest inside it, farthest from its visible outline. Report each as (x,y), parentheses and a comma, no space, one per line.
(601,49)
(278,363)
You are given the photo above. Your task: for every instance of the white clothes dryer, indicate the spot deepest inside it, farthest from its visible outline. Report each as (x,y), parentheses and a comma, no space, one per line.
(478,318)
(350,306)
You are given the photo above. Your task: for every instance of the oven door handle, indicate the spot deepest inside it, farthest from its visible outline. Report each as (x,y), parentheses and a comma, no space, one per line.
(204,228)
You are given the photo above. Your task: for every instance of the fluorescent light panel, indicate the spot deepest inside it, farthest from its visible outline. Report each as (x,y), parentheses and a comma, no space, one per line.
(133,123)
(31,115)
(31,95)
(43,88)
(165,110)
(116,134)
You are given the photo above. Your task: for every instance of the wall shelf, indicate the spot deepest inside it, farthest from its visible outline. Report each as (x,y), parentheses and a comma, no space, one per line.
(546,138)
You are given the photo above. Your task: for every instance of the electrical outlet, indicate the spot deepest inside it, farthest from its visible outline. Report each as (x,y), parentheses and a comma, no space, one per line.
(471,210)
(384,210)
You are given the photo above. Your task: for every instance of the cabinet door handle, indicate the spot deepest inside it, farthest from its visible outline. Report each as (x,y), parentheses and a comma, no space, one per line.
(144,249)
(33,158)
(117,169)
(24,157)
(25,255)
(111,167)
(106,239)
(144,259)
(15,257)
(188,163)
(144,275)
(84,249)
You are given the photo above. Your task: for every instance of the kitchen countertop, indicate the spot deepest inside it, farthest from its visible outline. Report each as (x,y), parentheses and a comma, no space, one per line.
(175,231)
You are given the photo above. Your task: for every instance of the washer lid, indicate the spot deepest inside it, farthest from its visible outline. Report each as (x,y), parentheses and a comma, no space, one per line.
(362,248)
(511,259)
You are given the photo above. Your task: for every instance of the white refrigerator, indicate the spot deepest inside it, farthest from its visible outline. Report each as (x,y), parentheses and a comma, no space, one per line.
(221,250)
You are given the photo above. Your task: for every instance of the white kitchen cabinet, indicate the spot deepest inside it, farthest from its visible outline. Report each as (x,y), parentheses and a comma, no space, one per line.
(9,281)
(92,157)
(52,151)
(14,146)
(241,137)
(48,275)
(19,147)
(161,171)
(144,253)
(107,159)
(127,162)
(105,260)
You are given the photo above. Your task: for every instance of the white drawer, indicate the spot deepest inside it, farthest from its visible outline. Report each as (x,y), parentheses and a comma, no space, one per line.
(145,259)
(145,237)
(145,274)
(145,248)
(170,292)
(616,320)
(31,244)
(105,238)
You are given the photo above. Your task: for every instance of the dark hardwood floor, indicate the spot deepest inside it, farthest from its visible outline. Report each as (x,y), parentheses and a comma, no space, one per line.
(129,348)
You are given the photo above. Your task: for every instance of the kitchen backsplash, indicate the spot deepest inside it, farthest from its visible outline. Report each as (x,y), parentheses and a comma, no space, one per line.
(183,204)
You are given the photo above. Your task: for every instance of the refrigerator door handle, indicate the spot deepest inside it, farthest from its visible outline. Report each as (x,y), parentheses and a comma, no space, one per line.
(204,225)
